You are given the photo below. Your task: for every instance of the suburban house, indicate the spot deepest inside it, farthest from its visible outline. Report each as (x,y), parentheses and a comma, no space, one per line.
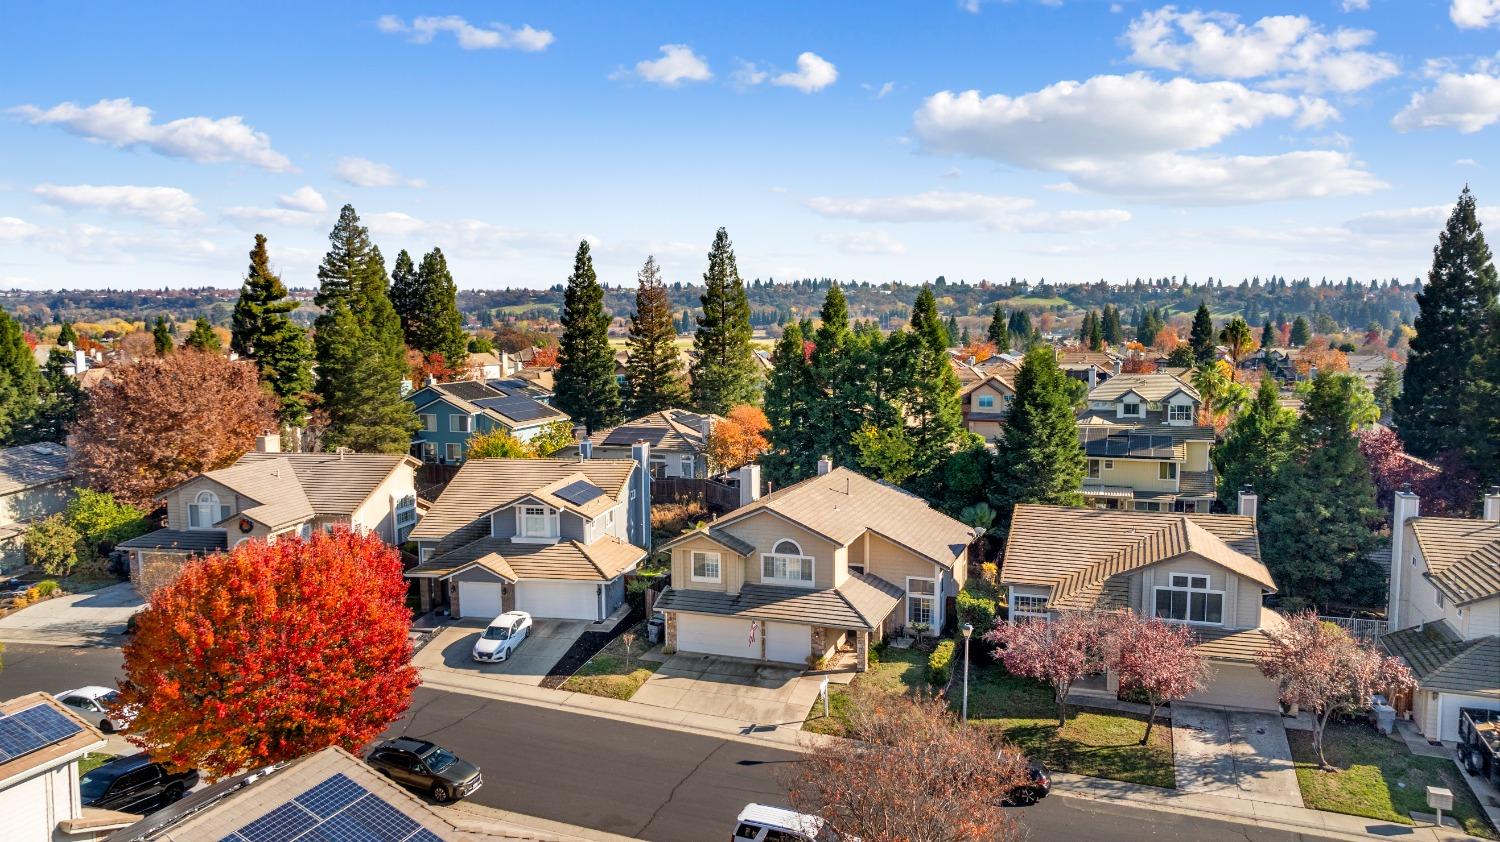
(1444,611)
(35,481)
(553,537)
(452,412)
(268,493)
(1091,367)
(678,439)
(828,564)
(1145,447)
(41,743)
(986,401)
(1198,569)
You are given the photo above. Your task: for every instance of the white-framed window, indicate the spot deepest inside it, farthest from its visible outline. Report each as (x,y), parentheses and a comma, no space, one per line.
(921,600)
(1437,596)
(405,512)
(1093,469)
(1130,409)
(685,465)
(1166,470)
(1179,412)
(453,451)
(429,422)
(986,401)
(206,510)
(1025,606)
(786,565)
(536,521)
(706,567)
(429,451)
(1109,464)
(460,423)
(1189,600)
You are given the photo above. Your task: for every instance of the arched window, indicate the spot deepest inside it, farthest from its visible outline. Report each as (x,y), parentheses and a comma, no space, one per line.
(786,564)
(787,546)
(205,511)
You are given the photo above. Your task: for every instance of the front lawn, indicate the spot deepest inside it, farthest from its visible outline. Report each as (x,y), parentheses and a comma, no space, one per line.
(607,674)
(93,760)
(1378,778)
(892,671)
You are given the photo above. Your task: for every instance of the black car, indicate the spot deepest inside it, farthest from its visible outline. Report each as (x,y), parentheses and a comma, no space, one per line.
(1039,784)
(134,784)
(426,766)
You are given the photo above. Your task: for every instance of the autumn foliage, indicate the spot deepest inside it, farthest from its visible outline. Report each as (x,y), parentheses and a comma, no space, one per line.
(162,420)
(1156,659)
(1137,364)
(271,651)
(1058,652)
(979,351)
(545,356)
(739,439)
(1446,486)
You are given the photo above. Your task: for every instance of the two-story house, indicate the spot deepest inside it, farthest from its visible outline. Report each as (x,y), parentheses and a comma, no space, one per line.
(1146,450)
(986,400)
(1197,569)
(452,412)
(678,439)
(267,493)
(832,562)
(553,537)
(35,481)
(1444,611)
(41,742)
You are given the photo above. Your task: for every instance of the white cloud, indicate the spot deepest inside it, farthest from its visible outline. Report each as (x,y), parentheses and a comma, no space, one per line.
(1466,162)
(747,74)
(1396,220)
(1229,179)
(468,237)
(1474,14)
(1464,101)
(303,199)
(14,228)
(932,206)
(253,217)
(1355,5)
(678,64)
(880,91)
(1062,187)
(1063,222)
(497,36)
(166,205)
(120,122)
(814,73)
(1314,112)
(1287,50)
(951,172)
(865,242)
(362,172)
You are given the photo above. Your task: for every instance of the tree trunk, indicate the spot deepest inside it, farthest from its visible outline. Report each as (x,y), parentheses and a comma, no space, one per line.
(1320,722)
(1062,707)
(1150,721)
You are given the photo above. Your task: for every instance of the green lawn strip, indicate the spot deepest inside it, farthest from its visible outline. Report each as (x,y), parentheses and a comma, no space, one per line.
(93,760)
(1378,778)
(606,674)
(895,671)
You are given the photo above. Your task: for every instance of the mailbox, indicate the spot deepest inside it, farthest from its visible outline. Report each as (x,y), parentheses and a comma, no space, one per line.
(1440,798)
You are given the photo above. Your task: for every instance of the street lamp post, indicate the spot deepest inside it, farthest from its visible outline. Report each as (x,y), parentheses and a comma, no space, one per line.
(968,631)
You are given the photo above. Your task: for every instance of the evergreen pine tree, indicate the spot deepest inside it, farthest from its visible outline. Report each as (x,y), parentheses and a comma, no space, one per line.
(932,407)
(835,405)
(1039,458)
(790,398)
(1301,333)
(202,337)
(950,331)
(67,336)
(1114,331)
(654,370)
(585,385)
(1395,338)
(406,297)
(999,332)
(1020,329)
(1202,336)
(378,317)
(1387,388)
(1321,519)
(1267,336)
(161,337)
(18,384)
(1482,409)
(1448,350)
(262,330)
(1096,333)
(1255,445)
(963,338)
(58,399)
(439,329)
(724,374)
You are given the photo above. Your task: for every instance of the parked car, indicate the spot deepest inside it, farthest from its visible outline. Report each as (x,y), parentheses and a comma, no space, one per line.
(502,636)
(134,784)
(762,823)
(426,766)
(93,704)
(1037,787)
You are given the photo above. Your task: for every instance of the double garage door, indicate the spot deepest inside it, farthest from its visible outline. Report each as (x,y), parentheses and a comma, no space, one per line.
(729,636)
(550,600)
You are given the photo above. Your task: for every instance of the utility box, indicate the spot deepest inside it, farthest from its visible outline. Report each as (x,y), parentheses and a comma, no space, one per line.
(1440,798)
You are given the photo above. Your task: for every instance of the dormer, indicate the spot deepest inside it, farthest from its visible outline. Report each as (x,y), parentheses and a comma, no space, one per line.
(207,509)
(1179,409)
(529,521)
(1130,405)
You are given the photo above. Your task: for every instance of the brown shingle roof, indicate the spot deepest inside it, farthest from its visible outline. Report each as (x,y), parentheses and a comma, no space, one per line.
(1152,387)
(30,465)
(862,602)
(336,484)
(482,485)
(1463,556)
(1441,660)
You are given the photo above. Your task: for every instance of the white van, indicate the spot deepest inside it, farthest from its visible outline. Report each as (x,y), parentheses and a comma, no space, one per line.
(760,823)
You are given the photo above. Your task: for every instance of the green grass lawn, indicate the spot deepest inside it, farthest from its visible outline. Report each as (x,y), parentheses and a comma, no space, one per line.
(93,760)
(896,671)
(1378,778)
(606,674)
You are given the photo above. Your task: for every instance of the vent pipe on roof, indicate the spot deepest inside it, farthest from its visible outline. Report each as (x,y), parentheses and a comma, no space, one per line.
(824,465)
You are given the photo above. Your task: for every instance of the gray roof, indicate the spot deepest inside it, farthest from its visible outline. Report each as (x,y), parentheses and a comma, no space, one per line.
(335,484)
(862,602)
(715,534)
(512,407)
(482,485)
(187,540)
(31,465)
(1152,387)
(1441,660)
(670,431)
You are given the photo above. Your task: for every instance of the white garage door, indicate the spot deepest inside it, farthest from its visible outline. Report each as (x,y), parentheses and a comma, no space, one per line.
(788,643)
(559,600)
(479,599)
(716,636)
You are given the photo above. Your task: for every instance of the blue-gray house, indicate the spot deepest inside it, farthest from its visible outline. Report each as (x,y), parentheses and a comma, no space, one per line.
(452,412)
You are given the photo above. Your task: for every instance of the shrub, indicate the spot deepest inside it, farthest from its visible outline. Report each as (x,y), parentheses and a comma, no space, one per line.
(101,521)
(977,605)
(940,663)
(52,545)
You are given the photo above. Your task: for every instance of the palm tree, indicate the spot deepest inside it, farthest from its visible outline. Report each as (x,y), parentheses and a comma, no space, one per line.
(1239,341)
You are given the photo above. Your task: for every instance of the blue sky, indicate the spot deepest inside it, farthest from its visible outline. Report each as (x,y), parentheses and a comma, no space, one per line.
(856,140)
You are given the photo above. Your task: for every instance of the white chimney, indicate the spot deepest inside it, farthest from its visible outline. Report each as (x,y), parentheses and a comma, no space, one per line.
(749,483)
(706,425)
(1404,507)
(1249,504)
(824,465)
(268,443)
(80,362)
(585,449)
(641,493)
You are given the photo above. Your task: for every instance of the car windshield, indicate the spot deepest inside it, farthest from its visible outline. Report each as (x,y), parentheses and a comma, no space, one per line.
(439,759)
(108,698)
(93,785)
(497,633)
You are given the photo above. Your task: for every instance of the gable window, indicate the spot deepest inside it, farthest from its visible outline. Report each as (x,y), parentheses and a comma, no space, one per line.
(1166,470)
(921,599)
(705,566)
(1027,607)
(429,422)
(1130,409)
(986,401)
(1179,412)
(1189,600)
(460,423)
(536,521)
(406,516)
(1093,469)
(206,510)
(786,564)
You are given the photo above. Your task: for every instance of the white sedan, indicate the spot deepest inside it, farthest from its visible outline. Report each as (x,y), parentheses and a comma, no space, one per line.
(93,704)
(502,636)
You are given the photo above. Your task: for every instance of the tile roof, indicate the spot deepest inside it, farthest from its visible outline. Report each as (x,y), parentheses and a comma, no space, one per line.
(1152,387)
(843,504)
(719,536)
(185,540)
(1441,660)
(31,465)
(1243,645)
(862,602)
(48,755)
(600,561)
(482,485)
(671,430)
(336,484)
(272,484)
(1195,484)
(1098,358)
(1463,555)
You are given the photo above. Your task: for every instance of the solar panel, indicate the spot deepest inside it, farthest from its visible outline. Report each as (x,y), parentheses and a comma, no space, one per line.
(34,728)
(330,796)
(628,435)
(517,407)
(284,822)
(579,492)
(336,810)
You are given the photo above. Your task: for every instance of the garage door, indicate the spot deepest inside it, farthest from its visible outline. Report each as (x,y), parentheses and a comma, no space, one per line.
(716,636)
(479,599)
(559,600)
(788,643)
(1238,686)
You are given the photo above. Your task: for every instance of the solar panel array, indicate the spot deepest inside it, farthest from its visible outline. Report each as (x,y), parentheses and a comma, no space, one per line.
(32,729)
(336,810)
(579,492)
(1097,444)
(629,435)
(517,407)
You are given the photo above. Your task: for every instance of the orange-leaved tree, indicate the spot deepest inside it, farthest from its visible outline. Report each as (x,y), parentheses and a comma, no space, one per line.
(271,651)
(739,439)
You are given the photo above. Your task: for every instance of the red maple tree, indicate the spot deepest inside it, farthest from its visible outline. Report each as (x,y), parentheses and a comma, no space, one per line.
(545,356)
(1157,659)
(1058,652)
(1447,486)
(271,651)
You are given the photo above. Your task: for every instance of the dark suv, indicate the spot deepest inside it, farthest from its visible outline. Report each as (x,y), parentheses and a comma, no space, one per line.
(134,784)
(426,766)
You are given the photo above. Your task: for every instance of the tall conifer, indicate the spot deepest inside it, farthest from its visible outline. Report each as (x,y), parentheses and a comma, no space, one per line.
(654,370)
(262,330)
(586,386)
(405,296)
(1256,443)
(724,374)
(999,332)
(790,399)
(1201,339)
(439,328)
(1038,458)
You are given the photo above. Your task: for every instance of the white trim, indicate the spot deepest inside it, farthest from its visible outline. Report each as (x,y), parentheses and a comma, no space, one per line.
(1190,589)
(453,451)
(429,421)
(708,556)
(550,523)
(453,424)
(1015,615)
(787,559)
(207,516)
(930,598)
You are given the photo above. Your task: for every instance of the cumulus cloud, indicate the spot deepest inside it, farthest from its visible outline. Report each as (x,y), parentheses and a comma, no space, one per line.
(15,228)
(122,123)
(254,218)
(496,36)
(747,74)
(865,242)
(1394,232)
(814,73)
(362,172)
(466,237)
(1474,14)
(1464,101)
(166,205)
(1285,50)
(1063,222)
(678,64)
(932,206)
(303,199)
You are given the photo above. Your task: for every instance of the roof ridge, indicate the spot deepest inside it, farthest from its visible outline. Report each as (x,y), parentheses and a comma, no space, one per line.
(1111,565)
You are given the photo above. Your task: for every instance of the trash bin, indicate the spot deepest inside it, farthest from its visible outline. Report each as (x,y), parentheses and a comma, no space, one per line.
(1385,718)
(654,629)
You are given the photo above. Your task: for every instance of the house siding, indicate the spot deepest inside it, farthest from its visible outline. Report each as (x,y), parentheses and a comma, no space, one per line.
(764,529)
(890,561)
(731,567)
(33,503)
(180,498)
(1242,597)
(378,512)
(1137,474)
(671,460)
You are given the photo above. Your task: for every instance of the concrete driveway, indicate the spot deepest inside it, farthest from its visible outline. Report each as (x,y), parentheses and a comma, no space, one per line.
(543,648)
(94,618)
(754,693)
(1234,754)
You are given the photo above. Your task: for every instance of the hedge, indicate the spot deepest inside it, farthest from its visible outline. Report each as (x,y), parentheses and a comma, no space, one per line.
(940,663)
(977,605)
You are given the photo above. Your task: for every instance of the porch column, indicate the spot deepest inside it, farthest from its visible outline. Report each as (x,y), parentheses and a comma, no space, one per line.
(861,651)
(424,594)
(669,643)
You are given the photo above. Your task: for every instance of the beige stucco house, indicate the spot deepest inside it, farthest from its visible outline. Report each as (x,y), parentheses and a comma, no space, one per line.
(828,563)
(985,402)
(1146,450)
(1198,569)
(35,481)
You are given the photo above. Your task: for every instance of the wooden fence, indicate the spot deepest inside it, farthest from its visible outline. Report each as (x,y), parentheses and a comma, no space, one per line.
(718,497)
